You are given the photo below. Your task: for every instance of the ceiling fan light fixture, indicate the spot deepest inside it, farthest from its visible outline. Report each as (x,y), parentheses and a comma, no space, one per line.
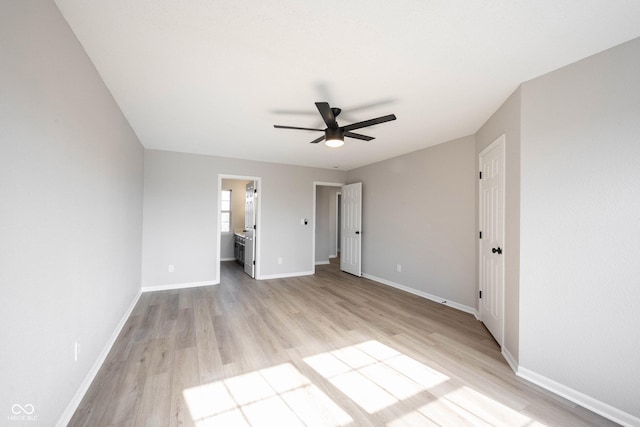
(334,137)
(334,142)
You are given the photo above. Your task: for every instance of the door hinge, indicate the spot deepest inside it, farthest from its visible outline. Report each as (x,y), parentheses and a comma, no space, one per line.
(480,234)
(480,174)
(254,262)
(254,226)
(480,294)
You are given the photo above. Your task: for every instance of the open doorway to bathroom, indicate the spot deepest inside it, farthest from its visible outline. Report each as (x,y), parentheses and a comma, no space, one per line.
(238,219)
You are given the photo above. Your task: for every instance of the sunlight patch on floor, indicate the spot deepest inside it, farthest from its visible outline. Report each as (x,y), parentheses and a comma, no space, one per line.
(475,406)
(258,398)
(374,375)
(380,380)
(377,377)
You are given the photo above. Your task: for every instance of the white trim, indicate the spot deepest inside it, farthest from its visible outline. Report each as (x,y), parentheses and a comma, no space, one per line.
(285,275)
(510,359)
(322,262)
(328,184)
(95,368)
(338,223)
(173,286)
(422,294)
(594,405)
(227,259)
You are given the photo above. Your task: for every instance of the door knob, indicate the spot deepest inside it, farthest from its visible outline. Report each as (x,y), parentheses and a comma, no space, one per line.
(497,250)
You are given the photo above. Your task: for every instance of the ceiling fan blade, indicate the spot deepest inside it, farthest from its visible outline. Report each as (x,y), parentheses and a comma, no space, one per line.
(369,122)
(294,127)
(327,114)
(315,141)
(358,136)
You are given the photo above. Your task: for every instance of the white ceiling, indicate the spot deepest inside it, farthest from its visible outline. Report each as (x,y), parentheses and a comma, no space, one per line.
(213,76)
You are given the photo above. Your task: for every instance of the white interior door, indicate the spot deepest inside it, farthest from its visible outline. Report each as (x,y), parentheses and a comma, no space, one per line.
(492,238)
(250,231)
(351,229)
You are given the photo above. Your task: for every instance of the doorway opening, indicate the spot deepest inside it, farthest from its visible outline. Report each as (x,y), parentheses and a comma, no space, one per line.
(238,222)
(326,222)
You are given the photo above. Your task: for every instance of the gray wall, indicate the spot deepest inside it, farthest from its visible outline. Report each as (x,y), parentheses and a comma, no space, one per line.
(180,214)
(507,121)
(326,216)
(71,215)
(580,227)
(419,211)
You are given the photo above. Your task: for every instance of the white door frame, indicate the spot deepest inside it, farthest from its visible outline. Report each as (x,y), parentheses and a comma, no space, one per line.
(338,222)
(250,235)
(317,184)
(258,181)
(501,140)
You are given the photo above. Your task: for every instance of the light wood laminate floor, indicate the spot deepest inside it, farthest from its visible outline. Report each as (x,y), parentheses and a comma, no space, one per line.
(324,350)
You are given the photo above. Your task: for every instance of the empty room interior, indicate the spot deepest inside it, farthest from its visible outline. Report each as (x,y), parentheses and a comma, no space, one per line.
(320,213)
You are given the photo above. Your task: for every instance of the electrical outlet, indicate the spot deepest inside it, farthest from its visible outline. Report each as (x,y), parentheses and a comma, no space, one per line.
(399,268)
(171,268)
(279,260)
(76,351)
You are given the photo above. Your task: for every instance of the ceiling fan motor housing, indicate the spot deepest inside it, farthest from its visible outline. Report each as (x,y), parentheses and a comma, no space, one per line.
(334,133)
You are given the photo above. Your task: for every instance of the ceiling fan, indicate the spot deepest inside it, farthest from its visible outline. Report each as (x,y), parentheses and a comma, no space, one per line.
(334,134)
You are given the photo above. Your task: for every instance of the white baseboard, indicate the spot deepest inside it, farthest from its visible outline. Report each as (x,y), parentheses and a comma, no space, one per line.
(322,262)
(174,286)
(422,294)
(594,405)
(510,359)
(84,386)
(91,375)
(284,275)
(228,259)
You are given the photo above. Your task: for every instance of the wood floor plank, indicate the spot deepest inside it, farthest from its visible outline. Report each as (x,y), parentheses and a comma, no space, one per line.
(155,403)
(208,355)
(329,349)
(185,335)
(125,340)
(186,376)
(123,406)
(102,389)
